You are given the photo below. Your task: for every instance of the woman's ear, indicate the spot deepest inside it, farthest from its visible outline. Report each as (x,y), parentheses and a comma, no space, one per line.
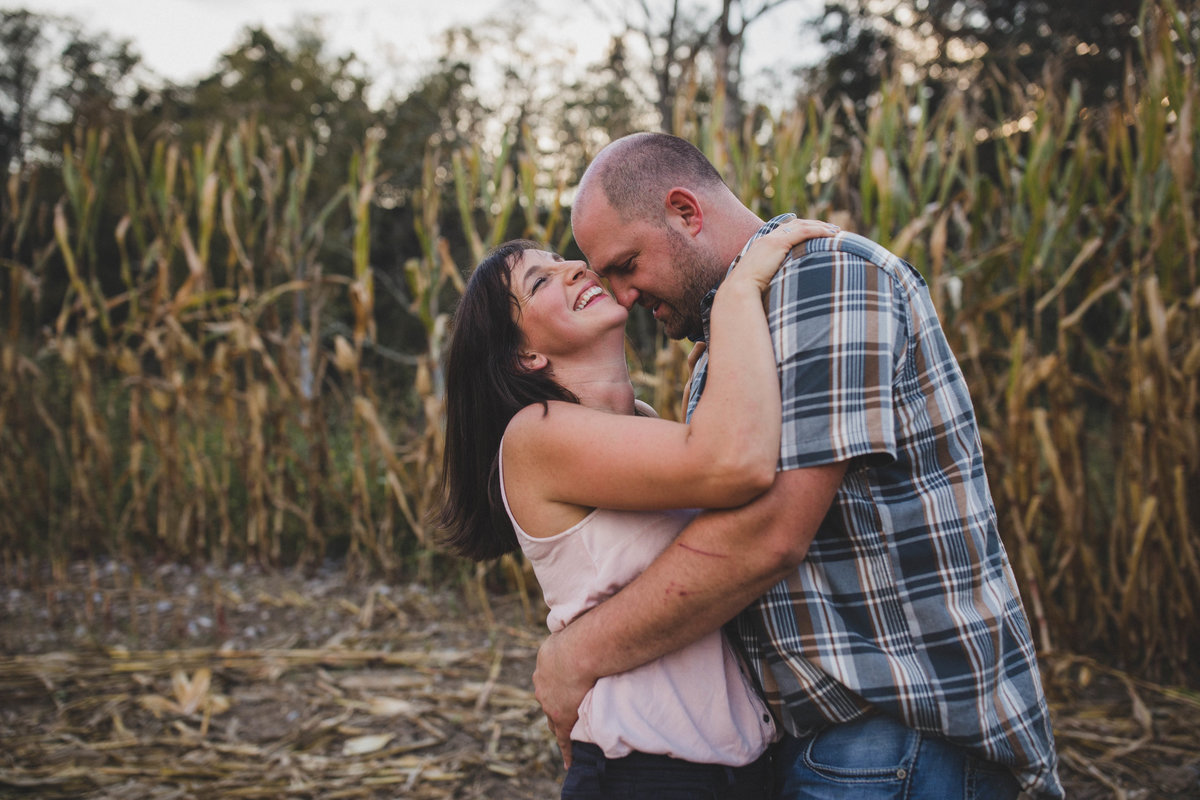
(533,361)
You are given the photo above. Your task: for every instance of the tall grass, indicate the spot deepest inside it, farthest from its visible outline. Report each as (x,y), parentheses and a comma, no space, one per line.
(183,411)
(223,401)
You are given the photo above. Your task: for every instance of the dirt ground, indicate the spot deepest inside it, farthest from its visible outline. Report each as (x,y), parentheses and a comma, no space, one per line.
(164,681)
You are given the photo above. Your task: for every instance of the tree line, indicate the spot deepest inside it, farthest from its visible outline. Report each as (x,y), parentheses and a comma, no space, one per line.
(56,79)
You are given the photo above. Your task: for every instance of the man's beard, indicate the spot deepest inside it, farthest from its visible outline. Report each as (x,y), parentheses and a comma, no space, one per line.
(690,265)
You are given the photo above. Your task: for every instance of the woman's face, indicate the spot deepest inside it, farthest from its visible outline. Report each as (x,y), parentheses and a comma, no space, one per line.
(563,308)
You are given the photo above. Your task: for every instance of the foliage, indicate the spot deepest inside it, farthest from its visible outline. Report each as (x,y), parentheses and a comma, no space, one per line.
(692,50)
(20,39)
(52,74)
(950,44)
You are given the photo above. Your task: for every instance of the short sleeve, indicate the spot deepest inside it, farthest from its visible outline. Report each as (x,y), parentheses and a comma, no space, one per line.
(839,327)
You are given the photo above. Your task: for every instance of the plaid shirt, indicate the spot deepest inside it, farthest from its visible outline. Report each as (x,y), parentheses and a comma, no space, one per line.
(906,603)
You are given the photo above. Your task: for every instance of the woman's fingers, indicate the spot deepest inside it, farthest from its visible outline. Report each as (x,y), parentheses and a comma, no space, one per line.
(799,230)
(766,253)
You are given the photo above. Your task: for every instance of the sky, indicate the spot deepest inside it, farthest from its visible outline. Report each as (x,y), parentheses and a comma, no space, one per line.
(182,39)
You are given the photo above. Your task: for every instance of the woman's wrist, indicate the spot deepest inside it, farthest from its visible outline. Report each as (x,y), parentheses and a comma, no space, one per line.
(744,286)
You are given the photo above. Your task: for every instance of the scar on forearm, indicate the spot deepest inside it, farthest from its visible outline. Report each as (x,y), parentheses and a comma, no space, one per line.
(700,552)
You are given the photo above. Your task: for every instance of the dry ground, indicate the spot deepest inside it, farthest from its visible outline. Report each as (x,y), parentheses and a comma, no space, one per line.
(163,681)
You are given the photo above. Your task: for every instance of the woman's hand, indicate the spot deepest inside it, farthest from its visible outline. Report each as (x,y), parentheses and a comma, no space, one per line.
(766,254)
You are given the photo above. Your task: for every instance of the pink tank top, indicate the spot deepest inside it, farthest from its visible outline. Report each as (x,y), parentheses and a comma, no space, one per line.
(696,703)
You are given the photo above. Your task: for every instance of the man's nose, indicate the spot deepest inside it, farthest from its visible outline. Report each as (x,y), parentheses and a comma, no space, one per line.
(625,294)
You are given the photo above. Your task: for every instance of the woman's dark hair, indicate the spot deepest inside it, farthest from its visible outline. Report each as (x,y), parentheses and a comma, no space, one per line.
(486,385)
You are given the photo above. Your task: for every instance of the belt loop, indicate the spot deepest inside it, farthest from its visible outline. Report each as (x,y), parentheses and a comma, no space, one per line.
(730,776)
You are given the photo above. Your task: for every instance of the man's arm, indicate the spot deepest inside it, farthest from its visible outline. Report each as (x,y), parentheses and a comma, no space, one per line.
(716,567)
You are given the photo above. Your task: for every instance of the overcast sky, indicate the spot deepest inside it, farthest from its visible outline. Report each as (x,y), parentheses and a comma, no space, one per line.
(181,39)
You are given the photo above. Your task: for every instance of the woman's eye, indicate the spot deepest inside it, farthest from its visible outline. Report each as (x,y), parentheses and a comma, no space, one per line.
(536,284)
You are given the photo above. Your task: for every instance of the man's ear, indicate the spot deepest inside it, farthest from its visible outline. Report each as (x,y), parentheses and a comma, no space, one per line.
(533,361)
(683,207)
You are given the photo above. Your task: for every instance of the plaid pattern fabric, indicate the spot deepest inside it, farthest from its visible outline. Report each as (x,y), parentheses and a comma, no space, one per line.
(906,603)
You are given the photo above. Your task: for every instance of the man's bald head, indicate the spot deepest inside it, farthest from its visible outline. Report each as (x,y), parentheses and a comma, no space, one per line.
(634,174)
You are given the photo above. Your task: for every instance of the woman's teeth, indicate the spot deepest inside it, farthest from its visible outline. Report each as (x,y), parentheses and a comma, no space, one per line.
(587,296)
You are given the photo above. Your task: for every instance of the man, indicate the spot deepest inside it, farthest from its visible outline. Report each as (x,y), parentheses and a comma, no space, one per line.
(881,616)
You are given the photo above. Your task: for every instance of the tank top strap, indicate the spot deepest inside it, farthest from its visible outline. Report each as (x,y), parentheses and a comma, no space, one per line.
(504,492)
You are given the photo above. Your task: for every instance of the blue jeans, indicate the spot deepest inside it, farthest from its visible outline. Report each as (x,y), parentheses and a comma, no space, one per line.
(644,776)
(877,758)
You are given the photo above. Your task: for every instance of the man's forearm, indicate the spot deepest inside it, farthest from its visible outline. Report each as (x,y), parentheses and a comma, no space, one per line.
(716,567)
(684,595)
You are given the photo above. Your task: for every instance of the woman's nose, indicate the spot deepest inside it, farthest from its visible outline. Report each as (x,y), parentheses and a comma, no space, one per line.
(576,270)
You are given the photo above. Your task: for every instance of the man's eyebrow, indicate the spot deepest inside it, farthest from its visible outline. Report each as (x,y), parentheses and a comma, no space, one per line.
(617,262)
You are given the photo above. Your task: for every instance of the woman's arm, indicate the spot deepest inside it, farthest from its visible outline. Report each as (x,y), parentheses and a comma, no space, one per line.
(724,458)
(739,415)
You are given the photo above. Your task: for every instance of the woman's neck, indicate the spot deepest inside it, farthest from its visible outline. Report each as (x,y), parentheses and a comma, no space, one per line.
(605,387)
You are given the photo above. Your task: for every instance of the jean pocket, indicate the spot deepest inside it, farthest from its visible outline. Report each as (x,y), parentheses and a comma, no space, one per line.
(875,748)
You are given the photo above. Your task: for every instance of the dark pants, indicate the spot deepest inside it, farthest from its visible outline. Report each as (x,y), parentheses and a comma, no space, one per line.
(592,776)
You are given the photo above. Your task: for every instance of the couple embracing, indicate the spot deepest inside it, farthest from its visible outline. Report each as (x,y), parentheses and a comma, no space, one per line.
(800,593)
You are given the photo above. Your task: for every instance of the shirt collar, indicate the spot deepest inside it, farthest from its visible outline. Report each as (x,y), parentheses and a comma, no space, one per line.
(706,302)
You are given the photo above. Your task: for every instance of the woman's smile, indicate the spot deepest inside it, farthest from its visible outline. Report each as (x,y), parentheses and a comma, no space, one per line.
(588,295)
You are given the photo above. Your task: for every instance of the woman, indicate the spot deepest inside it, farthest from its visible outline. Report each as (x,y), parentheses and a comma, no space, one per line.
(547,449)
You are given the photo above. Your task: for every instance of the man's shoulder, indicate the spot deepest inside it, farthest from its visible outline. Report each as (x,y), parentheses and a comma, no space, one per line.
(851,244)
(850,251)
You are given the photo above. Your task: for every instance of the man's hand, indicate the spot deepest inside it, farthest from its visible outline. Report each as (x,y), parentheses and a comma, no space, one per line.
(697,350)
(560,688)
(694,356)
